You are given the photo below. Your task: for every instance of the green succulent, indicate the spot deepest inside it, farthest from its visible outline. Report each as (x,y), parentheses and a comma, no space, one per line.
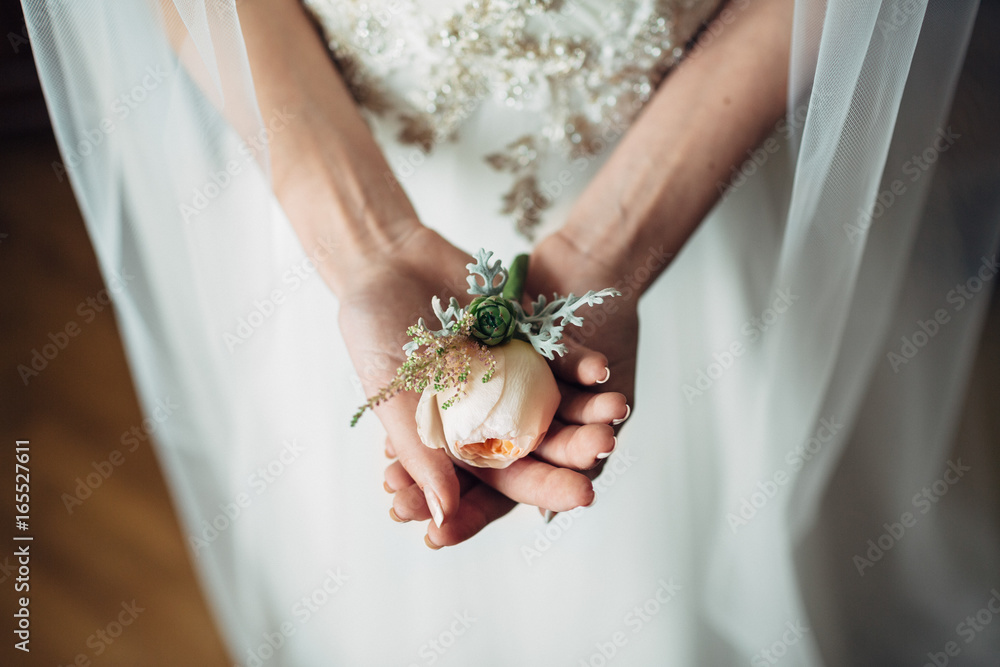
(494,321)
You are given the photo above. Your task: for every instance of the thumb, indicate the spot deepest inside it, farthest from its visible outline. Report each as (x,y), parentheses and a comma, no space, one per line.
(431,469)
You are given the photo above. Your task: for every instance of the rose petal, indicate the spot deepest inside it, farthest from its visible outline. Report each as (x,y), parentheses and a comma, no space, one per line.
(516,405)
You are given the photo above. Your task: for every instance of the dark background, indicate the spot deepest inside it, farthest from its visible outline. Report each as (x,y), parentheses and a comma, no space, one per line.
(123,543)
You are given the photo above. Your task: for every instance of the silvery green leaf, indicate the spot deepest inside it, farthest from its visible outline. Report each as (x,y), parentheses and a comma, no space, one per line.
(544,326)
(448,317)
(488,272)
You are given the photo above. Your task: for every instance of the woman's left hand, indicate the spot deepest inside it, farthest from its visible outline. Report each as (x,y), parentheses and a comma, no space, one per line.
(580,438)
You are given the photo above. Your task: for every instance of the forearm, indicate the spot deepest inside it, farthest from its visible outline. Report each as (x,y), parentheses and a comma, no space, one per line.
(664,176)
(327,170)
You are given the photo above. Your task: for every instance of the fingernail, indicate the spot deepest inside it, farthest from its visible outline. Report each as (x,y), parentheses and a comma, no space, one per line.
(435,506)
(549,515)
(628,411)
(604,455)
(389,455)
(388,489)
(607,375)
(395,517)
(427,541)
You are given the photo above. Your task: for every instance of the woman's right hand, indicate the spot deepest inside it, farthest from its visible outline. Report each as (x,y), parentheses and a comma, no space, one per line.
(385,295)
(558,265)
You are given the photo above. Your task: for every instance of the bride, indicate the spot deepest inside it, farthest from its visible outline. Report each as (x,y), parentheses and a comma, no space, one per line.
(781,191)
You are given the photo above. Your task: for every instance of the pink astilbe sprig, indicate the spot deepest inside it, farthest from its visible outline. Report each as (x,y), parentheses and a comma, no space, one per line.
(443,362)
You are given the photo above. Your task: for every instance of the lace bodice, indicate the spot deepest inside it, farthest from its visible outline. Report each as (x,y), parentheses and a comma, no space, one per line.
(584,67)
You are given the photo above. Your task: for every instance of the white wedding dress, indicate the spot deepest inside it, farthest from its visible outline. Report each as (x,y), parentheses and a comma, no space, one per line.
(761,508)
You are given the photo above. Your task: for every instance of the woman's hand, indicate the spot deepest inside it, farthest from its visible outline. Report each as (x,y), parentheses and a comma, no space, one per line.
(386,295)
(333,182)
(559,266)
(665,176)
(579,439)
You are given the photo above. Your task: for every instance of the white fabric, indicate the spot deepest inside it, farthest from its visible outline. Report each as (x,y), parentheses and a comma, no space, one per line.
(225,318)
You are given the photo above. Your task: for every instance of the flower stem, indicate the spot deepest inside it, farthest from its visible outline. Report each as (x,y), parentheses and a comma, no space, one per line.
(516,274)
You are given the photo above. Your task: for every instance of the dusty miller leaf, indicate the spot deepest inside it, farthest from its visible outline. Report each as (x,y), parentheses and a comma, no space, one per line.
(448,318)
(544,326)
(488,272)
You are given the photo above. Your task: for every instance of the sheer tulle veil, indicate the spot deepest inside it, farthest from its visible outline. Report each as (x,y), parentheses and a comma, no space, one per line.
(845,286)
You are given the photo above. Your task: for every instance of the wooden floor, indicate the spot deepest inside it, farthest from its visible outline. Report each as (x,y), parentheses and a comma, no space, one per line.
(118,552)
(98,551)
(116,555)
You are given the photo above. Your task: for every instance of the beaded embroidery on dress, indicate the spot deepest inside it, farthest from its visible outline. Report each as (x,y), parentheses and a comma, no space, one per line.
(585,67)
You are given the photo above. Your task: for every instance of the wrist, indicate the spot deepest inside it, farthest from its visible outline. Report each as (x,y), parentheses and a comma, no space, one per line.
(347,222)
(565,262)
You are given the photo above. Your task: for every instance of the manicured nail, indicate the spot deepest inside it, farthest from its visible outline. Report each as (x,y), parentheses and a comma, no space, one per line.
(435,506)
(604,455)
(388,489)
(607,375)
(549,515)
(427,541)
(389,455)
(628,411)
(395,517)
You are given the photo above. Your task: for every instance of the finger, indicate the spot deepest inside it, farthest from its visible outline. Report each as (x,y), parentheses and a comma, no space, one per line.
(431,469)
(621,420)
(575,446)
(533,482)
(547,515)
(581,365)
(480,507)
(396,477)
(390,451)
(585,407)
(410,503)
